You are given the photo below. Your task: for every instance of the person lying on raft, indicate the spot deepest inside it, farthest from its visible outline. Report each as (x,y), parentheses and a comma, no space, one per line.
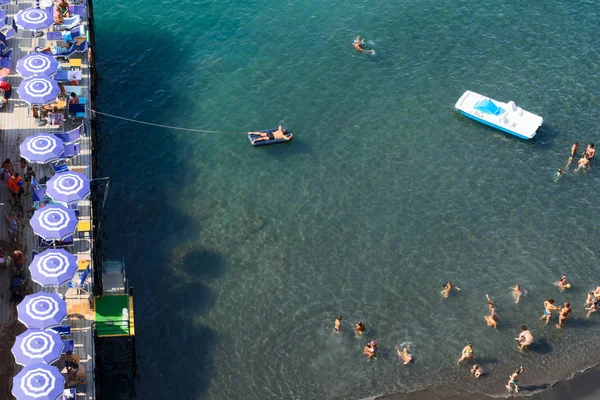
(278,134)
(359,45)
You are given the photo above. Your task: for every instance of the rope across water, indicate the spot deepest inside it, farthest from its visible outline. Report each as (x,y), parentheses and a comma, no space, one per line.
(160,125)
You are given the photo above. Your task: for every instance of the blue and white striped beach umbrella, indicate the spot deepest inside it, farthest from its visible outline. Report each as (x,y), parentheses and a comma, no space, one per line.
(37,64)
(38,382)
(53,267)
(42,148)
(68,187)
(34,19)
(38,90)
(42,310)
(35,346)
(54,222)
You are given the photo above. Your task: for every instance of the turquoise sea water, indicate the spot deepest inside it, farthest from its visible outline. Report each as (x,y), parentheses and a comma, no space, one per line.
(242,257)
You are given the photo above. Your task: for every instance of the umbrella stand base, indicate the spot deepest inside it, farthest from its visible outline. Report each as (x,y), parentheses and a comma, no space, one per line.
(41,121)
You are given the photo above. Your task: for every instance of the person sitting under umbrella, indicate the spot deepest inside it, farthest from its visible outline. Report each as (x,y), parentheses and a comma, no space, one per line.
(77,376)
(63,8)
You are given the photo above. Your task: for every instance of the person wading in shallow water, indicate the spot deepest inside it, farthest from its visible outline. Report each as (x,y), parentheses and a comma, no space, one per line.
(548,308)
(563,315)
(525,338)
(513,381)
(492,319)
(468,353)
(359,328)
(369,349)
(337,327)
(517,292)
(404,355)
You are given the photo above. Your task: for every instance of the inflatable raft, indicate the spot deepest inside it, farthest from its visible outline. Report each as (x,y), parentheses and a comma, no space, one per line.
(271,139)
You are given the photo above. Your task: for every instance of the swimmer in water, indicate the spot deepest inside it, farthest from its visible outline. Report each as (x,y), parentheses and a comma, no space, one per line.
(359,328)
(525,338)
(404,355)
(369,349)
(583,164)
(492,319)
(562,284)
(592,308)
(590,151)
(563,315)
(597,291)
(359,45)
(548,308)
(337,327)
(477,371)
(574,149)
(513,381)
(589,300)
(517,292)
(558,173)
(467,353)
(447,288)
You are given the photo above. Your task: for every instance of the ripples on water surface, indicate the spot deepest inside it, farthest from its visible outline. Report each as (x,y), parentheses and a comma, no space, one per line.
(242,257)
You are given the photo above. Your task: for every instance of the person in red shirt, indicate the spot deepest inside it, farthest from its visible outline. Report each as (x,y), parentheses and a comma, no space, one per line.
(7,92)
(15,186)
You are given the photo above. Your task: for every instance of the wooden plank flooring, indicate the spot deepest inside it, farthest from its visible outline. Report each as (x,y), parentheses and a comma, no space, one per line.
(16,123)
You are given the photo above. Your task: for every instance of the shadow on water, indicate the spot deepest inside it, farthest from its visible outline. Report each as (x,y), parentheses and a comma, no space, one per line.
(533,388)
(141,223)
(296,148)
(541,346)
(582,322)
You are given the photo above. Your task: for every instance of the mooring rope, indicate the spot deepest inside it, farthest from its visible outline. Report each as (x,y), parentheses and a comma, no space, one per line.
(160,125)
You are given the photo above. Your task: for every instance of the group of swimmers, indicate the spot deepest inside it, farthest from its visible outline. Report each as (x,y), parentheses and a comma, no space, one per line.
(370,349)
(525,338)
(584,162)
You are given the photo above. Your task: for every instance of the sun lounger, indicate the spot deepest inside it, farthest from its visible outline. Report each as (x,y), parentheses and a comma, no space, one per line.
(72,136)
(77,110)
(68,241)
(68,24)
(78,31)
(71,150)
(74,89)
(72,50)
(79,279)
(69,345)
(63,330)
(65,75)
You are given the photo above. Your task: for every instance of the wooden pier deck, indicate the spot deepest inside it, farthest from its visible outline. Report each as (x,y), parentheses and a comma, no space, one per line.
(16,123)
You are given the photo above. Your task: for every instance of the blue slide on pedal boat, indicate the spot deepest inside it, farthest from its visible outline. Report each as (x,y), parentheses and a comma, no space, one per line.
(506,117)
(266,137)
